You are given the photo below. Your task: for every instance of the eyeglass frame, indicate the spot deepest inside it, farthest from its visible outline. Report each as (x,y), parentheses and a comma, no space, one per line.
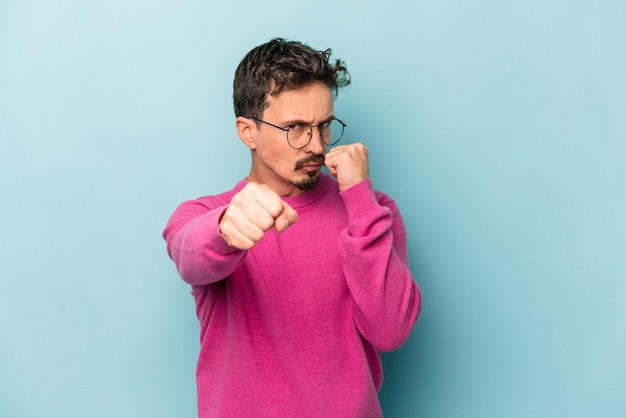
(318,126)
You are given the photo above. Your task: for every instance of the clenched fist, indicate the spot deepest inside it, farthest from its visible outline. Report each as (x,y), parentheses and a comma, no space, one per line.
(253,211)
(349,163)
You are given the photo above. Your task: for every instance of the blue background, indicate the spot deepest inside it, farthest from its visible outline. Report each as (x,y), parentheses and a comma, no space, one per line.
(499,128)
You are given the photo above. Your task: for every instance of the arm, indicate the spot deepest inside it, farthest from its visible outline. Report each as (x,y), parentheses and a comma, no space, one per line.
(208,238)
(195,244)
(387,300)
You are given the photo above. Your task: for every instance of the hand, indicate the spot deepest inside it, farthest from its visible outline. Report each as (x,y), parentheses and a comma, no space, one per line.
(253,211)
(349,163)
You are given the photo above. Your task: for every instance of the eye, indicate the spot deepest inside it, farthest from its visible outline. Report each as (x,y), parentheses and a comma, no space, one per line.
(296,129)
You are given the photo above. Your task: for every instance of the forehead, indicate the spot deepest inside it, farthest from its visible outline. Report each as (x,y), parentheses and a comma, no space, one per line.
(315,100)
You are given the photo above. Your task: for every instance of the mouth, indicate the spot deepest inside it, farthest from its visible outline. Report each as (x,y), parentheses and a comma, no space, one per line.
(312,163)
(313,166)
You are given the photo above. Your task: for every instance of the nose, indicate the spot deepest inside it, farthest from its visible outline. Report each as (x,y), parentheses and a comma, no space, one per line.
(315,145)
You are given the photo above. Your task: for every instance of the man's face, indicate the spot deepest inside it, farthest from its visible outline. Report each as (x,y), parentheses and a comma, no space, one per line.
(286,170)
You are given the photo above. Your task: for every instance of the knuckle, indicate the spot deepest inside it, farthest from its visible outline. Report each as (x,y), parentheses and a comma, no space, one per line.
(256,235)
(237,199)
(266,222)
(276,209)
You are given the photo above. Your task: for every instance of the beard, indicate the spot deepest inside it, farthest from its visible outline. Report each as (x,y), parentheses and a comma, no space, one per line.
(309,182)
(312,177)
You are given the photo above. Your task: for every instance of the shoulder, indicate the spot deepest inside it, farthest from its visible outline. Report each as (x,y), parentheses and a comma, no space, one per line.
(211,201)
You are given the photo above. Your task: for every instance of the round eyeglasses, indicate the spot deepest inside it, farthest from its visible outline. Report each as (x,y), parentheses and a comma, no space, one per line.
(299,134)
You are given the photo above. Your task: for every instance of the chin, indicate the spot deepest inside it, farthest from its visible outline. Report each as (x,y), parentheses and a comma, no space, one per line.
(309,182)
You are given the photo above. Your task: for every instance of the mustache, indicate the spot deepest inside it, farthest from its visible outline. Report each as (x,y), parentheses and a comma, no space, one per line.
(315,159)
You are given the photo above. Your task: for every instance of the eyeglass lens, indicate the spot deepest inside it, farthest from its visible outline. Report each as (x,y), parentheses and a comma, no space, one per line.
(300,135)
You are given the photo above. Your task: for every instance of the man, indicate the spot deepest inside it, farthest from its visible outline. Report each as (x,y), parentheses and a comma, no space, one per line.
(300,279)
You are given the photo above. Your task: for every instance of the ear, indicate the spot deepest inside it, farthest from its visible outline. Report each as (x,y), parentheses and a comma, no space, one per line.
(247,130)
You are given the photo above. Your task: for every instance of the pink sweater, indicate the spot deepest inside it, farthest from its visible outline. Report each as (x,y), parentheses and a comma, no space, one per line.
(294,327)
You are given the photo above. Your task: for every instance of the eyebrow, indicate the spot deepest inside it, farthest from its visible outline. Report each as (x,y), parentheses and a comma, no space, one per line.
(304,122)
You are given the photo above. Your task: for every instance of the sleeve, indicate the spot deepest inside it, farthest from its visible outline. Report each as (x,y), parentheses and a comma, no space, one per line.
(196,246)
(387,300)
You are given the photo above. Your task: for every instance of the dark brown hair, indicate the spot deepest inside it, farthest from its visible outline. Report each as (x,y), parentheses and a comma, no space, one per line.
(281,65)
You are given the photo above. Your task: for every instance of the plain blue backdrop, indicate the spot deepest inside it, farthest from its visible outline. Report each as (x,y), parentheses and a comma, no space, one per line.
(499,128)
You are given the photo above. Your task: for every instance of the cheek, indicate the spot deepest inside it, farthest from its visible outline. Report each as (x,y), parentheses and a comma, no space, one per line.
(280,157)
